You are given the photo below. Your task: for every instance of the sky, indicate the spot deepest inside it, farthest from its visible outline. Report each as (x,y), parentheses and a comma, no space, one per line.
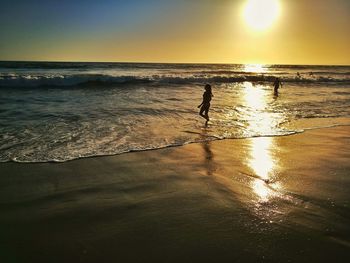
(174,31)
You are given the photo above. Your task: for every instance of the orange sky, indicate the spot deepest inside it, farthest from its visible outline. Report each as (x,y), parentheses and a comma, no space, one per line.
(206,31)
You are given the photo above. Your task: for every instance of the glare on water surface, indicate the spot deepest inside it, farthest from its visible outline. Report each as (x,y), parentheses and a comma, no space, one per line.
(254,68)
(259,119)
(260,159)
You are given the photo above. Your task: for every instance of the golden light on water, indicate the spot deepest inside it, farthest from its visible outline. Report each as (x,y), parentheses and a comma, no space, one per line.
(260,160)
(263,165)
(261,190)
(259,120)
(254,68)
(254,97)
(260,15)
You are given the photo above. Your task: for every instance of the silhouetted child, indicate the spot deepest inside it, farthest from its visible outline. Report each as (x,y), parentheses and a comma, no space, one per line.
(276,85)
(205,105)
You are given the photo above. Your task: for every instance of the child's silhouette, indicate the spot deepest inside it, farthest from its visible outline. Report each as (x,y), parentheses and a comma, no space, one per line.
(205,105)
(277,84)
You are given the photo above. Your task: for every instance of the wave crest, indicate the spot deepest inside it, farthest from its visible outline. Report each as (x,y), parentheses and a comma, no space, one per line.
(12,80)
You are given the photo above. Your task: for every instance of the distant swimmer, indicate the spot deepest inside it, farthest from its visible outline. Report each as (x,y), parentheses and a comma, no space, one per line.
(205,105)
(276,85)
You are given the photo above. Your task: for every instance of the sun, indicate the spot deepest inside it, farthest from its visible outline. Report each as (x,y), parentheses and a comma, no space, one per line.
(261,14)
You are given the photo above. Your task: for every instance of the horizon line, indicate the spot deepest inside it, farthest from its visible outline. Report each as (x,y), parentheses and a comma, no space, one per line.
(152,62)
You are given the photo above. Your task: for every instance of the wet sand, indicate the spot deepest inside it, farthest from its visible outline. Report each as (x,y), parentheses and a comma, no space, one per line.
(273,199)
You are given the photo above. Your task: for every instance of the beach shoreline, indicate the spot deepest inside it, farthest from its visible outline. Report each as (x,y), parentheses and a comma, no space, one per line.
(264,199)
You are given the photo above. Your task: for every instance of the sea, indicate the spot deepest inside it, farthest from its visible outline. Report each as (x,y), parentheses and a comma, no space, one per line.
(61,111)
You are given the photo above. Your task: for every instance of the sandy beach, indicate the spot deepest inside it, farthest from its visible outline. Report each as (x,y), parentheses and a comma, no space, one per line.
(175,131)
(267,199)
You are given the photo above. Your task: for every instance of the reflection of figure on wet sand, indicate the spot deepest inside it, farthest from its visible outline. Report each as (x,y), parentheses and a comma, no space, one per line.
(205,105)
(209,156)
(276,85)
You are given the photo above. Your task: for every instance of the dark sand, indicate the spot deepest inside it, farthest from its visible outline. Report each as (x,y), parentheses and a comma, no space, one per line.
(282,199)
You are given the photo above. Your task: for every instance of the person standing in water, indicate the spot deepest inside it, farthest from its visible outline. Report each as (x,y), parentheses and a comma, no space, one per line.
(205,105)
(276,85)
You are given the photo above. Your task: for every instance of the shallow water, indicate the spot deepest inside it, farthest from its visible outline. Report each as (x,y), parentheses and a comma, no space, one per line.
(64,111)
(266,199)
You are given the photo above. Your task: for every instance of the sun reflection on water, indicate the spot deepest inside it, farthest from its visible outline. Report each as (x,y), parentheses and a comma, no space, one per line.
(263,165)
(254,97)
(261,190)
(259,119)
(254,68)
(261,160)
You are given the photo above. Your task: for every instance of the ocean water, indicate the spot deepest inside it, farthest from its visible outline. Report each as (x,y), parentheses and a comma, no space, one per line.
(64,111)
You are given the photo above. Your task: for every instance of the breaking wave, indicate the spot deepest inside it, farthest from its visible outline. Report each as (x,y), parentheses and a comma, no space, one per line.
(12,80)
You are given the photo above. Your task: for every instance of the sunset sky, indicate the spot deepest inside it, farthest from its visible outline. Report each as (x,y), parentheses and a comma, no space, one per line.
(204,31)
